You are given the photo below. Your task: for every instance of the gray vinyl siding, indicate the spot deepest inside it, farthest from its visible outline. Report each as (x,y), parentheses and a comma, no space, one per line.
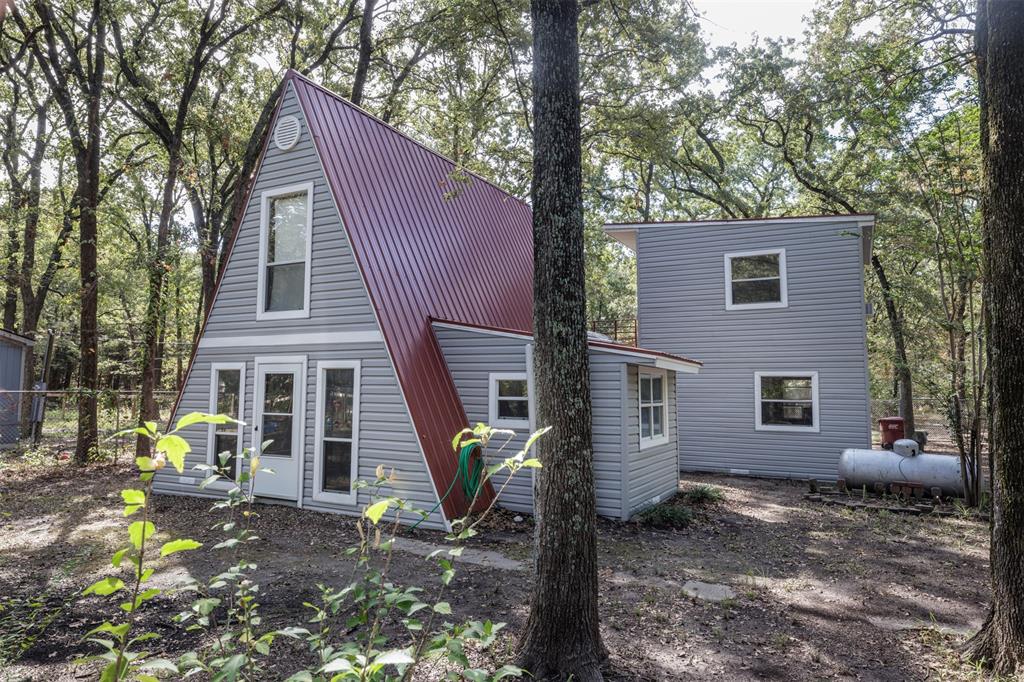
(652,470)
(337,299)
(681,296)
(472,355)
(338,304)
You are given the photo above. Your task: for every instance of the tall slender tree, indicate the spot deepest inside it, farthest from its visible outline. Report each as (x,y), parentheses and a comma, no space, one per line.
(1000,53)
(212,34)
(562,636)
(70,49)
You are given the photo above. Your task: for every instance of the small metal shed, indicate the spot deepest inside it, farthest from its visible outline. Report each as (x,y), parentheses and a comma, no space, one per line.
(13,349)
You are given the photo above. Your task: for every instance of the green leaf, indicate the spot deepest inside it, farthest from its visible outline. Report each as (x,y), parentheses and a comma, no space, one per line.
(533,438)
(443,607)
(132,496)
(338,665)
(507,671)
(202,418)
(139,532)
(458,437)
(118,557)
(175,447)
(108,585)
(117,630)
(301,676)
(377,509)
(394,657)
(134,500)
(178,546)
(532,463)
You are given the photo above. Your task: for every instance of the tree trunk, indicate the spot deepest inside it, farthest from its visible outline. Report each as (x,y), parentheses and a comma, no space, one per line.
(904,378)
(562,635)
(365,52)
(1000,48)
(88,373)
(11,277)
(87,198)
(152,325)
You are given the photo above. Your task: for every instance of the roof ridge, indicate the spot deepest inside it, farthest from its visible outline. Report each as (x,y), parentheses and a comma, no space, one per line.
(292,73)
(780,218)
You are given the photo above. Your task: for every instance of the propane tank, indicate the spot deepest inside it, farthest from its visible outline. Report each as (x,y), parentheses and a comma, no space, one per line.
(904,463)
(906,447)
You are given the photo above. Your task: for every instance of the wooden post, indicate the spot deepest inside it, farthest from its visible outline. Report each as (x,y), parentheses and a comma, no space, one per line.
(44,380)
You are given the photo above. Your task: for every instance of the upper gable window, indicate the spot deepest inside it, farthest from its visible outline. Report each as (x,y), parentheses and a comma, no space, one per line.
(285,249)
(755,279)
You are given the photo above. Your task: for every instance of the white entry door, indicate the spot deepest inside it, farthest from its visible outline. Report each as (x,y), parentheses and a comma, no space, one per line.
(278,417)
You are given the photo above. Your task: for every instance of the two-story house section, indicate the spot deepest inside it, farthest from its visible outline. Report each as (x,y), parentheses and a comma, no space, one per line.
(775,309)
(375,300)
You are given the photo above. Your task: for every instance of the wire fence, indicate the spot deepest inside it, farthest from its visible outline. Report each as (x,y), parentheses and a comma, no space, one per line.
(116,410)
(931,415)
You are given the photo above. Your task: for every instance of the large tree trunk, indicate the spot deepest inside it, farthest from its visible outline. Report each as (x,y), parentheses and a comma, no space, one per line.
(88,373)
(562,635)
(1000,49)
(87,198)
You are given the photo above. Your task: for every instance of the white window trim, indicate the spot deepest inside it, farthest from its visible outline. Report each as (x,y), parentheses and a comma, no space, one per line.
(815,402)
(783,293)
(664,437)
(261,296)
(211,456)
(319,494)
(492,400)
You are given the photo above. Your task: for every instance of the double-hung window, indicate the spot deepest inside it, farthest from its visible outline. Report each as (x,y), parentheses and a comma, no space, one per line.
(756,279)
(653,407)
(509,401)
(286,219)
(786,401)
(224,444)
(336,463)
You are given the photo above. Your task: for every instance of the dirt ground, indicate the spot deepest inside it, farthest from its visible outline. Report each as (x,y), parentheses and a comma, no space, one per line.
(819,592)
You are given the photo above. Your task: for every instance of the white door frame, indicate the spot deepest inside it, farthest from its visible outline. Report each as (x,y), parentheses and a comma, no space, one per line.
(282,363)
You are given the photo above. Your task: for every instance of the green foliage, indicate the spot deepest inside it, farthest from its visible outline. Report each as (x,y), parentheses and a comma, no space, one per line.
(121,658)
(24,620)
(350,629)
(703,494)
(666,515)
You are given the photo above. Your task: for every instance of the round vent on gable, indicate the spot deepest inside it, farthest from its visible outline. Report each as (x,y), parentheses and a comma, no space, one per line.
(287,132)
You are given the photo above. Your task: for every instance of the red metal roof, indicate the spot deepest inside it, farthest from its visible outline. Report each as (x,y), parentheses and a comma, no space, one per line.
(428,245)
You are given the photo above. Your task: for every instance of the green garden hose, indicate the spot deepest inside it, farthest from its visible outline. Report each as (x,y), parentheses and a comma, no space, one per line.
(470,471)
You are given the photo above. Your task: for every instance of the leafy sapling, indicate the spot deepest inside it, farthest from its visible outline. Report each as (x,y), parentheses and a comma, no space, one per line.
(121,658)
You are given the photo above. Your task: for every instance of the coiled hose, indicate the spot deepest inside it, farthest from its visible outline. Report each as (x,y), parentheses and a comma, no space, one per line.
(470,471)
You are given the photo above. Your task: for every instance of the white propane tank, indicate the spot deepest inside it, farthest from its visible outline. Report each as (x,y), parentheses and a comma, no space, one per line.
(907,447)
(903,463)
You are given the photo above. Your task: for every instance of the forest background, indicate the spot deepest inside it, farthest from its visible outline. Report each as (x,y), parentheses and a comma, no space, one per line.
(130,129)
